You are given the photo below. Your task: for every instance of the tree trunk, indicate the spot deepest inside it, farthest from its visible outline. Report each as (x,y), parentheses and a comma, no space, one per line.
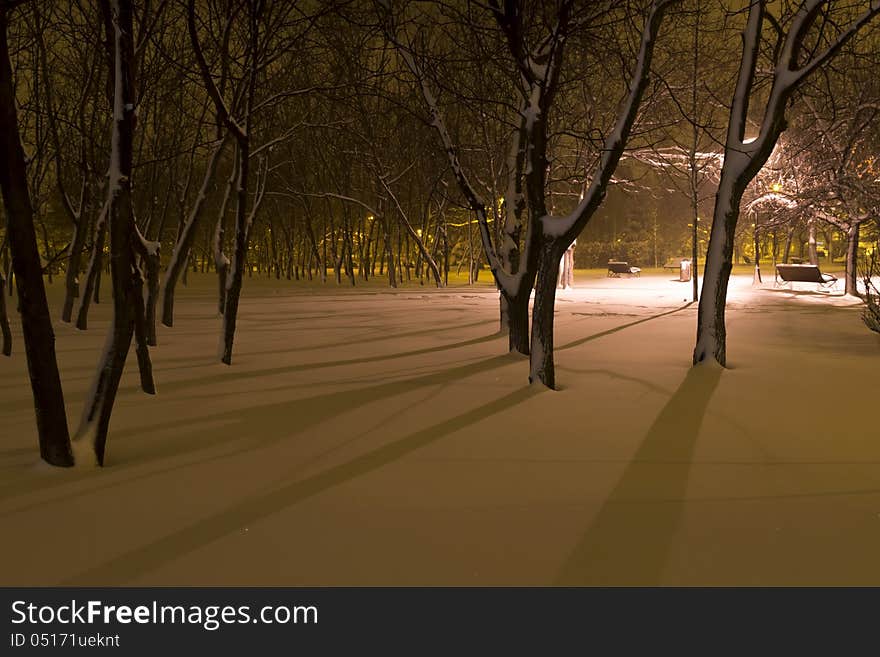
(151,260)
(814,255)
(541,357)
(786,251)
(239,258)
(126,281)
(39,337)
(187,236)
(4,319)
(852,260)
(221,261)
(756,280)
(711,329)
(221,264)
(71,279)
(93,272)
(514,320)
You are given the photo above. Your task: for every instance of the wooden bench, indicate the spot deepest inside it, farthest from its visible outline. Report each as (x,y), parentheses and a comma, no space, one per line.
(804,274)
(617,268)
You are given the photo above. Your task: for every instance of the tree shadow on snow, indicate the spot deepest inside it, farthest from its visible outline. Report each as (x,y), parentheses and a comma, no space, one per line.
(382,335)
(628,541)
(602,334)
(261,425)
(144,559)
(234,374)
(804,293)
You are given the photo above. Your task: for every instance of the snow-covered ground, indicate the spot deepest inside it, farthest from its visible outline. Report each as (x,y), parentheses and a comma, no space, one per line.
(372,436)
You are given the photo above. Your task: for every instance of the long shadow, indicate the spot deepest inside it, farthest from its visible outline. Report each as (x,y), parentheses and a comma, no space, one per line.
(235,374)
(257,328)
(203,362)
(378,338)
(803,293)
(261,425)
(650,385)
(144,559)
(627,543)
(602,334)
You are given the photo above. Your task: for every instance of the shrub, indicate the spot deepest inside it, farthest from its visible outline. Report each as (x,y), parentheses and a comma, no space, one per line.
(871,314)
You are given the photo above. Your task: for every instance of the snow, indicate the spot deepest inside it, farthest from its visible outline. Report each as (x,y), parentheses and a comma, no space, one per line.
(376,436)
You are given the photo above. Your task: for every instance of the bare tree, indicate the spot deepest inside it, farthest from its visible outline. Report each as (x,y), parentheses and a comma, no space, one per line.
(39,337)
(74,208)
(557,233)
(126,242)
(793,61)
(532,241)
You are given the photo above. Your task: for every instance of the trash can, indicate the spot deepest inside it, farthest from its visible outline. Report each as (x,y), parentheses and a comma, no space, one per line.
(684,274)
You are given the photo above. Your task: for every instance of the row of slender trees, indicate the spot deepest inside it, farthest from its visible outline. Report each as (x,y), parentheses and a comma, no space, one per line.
(400,139)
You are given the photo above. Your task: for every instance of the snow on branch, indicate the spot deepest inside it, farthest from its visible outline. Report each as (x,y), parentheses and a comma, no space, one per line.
(751,38)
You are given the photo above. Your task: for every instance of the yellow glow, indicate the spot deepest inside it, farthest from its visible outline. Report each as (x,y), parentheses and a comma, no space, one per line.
(776,187)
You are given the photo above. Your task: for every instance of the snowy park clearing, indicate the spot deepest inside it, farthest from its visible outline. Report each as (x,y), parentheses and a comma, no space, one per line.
(371,436)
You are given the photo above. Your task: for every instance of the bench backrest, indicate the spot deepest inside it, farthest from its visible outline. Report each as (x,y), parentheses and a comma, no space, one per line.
(618,267)
(800,273)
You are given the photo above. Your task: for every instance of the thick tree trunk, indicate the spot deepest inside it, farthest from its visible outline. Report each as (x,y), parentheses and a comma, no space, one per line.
(711,329)
(852,260)
(128,304)
(221,261)
(239,258)
(151,260)
(541,357)
(514,320)
(39,337)
(242,235)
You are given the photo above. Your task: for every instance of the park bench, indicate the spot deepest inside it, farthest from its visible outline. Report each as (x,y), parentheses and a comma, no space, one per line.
(791,274)
(616,269)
